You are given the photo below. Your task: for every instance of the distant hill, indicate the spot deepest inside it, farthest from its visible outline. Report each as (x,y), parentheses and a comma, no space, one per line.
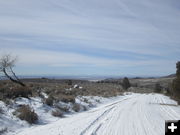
(171,75)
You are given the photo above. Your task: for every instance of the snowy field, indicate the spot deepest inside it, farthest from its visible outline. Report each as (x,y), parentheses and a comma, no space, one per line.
(132,114)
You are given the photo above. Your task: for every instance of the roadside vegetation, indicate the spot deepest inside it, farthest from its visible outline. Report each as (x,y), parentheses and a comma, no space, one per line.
(25,112)
(126,84)
(175,91)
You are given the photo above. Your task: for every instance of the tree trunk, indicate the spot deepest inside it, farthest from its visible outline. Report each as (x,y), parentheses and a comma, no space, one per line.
(13,80)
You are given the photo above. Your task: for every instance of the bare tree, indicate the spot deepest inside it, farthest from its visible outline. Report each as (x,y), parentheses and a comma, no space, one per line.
(7,62)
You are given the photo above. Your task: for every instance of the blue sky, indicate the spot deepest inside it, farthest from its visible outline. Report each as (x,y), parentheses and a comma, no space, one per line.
(91,37)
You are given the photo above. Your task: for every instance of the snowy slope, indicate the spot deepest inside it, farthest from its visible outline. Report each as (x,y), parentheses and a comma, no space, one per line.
(136,114)
(11,123)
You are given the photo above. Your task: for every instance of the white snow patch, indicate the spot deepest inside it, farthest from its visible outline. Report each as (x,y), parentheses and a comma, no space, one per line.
(138,114)
(76,86)
(8,120)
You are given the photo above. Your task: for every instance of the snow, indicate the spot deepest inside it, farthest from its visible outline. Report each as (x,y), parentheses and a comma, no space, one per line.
(137,114)
(12,123)
(76,86)
(8,120)
(44,94)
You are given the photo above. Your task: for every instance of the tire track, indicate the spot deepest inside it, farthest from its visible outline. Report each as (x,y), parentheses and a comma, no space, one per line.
(96,120)
(105,115)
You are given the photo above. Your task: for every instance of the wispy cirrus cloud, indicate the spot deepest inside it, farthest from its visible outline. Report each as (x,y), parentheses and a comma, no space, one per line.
(93,35)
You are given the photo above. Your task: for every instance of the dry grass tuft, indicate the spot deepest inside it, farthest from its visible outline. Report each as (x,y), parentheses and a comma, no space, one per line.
(76,107)
(57,113)
(65,98)
(3,130)
(49,101)
(25,112)
(1,111)
(10,91)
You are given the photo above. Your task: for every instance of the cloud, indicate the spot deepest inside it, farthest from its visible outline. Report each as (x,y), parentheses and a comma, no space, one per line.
(58,59)
(114,33)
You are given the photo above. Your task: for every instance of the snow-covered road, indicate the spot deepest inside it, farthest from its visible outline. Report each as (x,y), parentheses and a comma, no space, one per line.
(135,114)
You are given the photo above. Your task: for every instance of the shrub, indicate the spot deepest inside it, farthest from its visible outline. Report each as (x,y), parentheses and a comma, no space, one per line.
(176,84)
(176,89)
(25,112)
(85,108)
(69,82)
(8,101)
(49,101)
(178,69)
(126,83)
(1,111)
(76,107)
(57,113)
(18,91)
(158,88)
(62,108)
(85,100)
(66,98)
(3,130)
